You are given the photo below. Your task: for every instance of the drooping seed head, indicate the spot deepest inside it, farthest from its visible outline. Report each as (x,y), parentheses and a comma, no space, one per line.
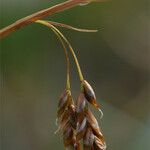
(89,94)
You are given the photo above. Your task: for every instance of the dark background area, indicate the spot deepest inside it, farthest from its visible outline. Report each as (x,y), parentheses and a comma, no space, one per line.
(114,60)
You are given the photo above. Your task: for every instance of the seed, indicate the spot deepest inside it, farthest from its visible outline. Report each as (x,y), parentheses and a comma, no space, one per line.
(93,124)
(88,139)
(81,104)
(68,136)
(99,144)
(64,101)
(81,129)
(89,94)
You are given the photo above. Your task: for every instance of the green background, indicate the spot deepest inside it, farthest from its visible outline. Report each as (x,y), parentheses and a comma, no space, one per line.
(114,60)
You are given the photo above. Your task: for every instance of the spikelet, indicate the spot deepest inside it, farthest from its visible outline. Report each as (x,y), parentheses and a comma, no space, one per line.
(88,139)
(94,124)
(89,94)
(88,130)
(64,102)
(81,119)
(66,116)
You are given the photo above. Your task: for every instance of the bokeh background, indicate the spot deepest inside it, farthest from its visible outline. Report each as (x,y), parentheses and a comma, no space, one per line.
(115,61)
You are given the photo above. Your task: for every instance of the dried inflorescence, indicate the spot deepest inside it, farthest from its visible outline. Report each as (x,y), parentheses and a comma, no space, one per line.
(66,117)
(77,123)
(91,133)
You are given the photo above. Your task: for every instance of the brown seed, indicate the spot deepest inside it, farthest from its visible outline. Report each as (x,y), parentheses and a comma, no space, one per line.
(68,136)
(63,121)
(94,124)
(88,139)
(81,129)
(81,104)
(81,107)
(64,101)
(99,145)
(72,116)
(89,94)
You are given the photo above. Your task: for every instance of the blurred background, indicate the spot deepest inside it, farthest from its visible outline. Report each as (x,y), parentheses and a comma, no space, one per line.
(114,60)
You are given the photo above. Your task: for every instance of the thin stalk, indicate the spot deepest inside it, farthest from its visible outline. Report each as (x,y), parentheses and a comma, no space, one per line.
(68,43)
(70,27)
(66,54)
(73,53)
(67,58)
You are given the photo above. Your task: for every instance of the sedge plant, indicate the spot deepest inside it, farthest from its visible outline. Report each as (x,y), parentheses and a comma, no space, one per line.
(76,123)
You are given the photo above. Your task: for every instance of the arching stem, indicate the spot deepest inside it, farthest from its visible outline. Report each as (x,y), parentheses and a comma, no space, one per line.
(72,51)
(67,58)
(66,54)
(68,43)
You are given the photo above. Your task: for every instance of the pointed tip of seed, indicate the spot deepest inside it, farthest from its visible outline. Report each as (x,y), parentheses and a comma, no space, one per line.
(56,122)
(101,112)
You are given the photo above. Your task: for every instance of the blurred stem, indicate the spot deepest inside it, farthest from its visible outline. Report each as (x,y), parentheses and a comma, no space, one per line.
(38,15)
(66,54)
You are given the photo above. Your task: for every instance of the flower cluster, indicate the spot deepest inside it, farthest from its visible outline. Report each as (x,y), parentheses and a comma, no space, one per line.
(77,124)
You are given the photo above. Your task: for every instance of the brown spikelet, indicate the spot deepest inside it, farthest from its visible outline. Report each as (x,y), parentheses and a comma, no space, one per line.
(73,117)
(69,137)
(77,124)
(81,104)
(88,129)
(64,102)
(81,119)
(94,124)
(67,121)
(89,94)
(81,129)
(88,139)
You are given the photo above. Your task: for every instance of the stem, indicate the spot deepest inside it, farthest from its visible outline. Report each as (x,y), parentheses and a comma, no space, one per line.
(38,15)
(70,27)
(72,51)
(65,50)
(67,58)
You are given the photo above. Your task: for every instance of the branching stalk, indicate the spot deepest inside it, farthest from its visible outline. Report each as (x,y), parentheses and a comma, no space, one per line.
(73,54)
(68,43)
